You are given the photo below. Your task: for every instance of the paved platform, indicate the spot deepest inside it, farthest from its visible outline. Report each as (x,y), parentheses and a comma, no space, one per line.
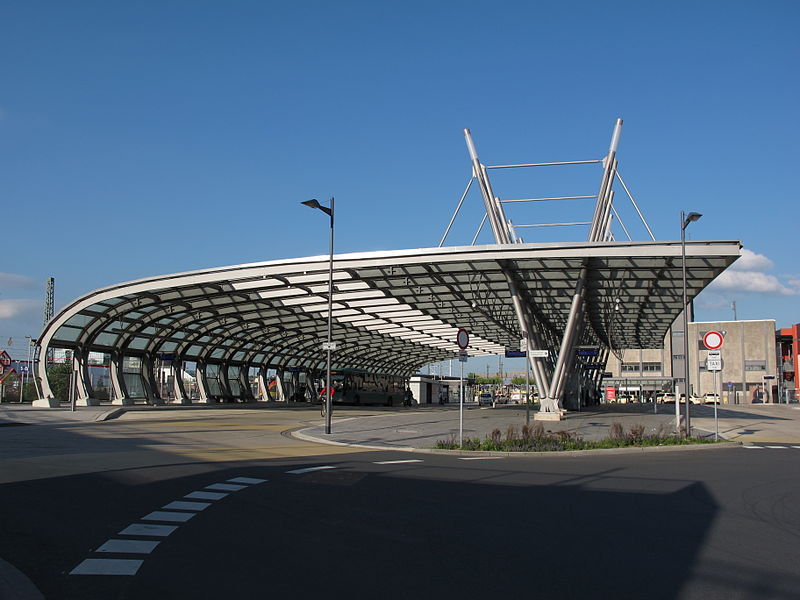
(422,427)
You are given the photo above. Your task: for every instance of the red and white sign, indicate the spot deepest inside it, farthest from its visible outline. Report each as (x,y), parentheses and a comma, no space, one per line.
(713,340)
(462,338)
(611,392)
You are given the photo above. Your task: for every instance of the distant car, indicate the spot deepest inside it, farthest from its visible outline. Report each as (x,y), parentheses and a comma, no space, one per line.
(710,399)
(666,398)
(485,398)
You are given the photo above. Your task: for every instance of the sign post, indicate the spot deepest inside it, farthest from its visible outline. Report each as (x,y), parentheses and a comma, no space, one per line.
(462,339)
(713,342)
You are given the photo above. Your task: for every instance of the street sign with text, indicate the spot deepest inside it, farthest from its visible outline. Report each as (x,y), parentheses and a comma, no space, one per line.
(714,360)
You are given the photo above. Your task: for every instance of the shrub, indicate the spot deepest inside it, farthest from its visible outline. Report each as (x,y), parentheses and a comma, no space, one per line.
(636,432)
(495,436)
(617,431)
(511,433)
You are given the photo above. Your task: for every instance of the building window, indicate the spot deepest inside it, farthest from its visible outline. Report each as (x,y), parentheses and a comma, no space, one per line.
(755,365)
(630,367)
(651,367)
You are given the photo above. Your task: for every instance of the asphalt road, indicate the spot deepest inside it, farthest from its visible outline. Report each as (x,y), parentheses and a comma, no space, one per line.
(720,523)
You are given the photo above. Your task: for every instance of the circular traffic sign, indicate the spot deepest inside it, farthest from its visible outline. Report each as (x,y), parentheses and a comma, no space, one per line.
(713,340)
(462,338)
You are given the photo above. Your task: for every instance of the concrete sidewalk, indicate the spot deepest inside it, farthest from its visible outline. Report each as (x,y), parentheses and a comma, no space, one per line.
(422,427)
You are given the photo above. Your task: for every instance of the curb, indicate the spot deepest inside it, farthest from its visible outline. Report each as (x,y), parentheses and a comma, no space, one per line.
(302,435)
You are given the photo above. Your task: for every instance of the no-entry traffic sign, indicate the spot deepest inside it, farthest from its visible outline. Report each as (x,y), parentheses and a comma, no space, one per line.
(462,339)
(713,340)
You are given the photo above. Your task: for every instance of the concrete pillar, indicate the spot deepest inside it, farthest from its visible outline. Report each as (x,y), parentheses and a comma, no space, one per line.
(150,383)
(280,387)
(177,381)
(263,387)
(118,386)
(202,382)
(244,384)
(80,369)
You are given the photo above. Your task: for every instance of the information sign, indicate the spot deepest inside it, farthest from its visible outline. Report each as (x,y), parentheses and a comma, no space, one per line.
(591,352)
(540,353)
(714,360)
(329,345)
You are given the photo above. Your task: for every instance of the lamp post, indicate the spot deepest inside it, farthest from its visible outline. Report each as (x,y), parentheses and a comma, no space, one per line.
(685,220)
(329,211)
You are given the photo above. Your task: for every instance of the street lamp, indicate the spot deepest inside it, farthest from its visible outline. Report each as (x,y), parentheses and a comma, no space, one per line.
(329,211)
(685,220)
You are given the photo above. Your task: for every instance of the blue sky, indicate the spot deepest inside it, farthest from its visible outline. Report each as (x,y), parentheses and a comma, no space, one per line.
(154,137)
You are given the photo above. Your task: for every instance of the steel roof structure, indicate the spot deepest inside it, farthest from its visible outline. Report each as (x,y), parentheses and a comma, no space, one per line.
(392,311)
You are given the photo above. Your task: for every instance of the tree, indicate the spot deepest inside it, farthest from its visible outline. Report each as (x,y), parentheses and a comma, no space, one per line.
(11,388)
(59,375)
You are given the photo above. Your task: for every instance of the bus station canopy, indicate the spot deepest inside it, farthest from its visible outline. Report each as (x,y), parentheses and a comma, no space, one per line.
(393,311)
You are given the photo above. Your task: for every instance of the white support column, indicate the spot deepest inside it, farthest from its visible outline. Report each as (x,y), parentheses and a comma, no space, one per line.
(263,387)
(149,380)
(81,370)
(244,384)
(178,366)
(202,382)
(279,386)
(118,380)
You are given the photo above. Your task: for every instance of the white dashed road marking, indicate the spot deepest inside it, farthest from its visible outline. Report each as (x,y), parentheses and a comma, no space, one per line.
(107,566)
(480,458)
(148,530)
(180,505)
(225,487)
(173,517)
(310,469)
(247,480)
(120,566)
(754,447)
(397,462)
(206,495)
(776,447)
(128,546)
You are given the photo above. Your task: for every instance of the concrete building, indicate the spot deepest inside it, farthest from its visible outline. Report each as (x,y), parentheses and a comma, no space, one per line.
(750,371)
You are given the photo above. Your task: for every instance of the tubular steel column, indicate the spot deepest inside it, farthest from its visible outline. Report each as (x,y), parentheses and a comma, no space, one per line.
(502,235)
(598,232)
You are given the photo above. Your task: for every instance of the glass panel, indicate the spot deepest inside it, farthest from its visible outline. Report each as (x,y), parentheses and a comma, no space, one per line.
(131,364)
(79,320)
(139,343)
(214,388)
(106,339)
(135,384)
(67,334)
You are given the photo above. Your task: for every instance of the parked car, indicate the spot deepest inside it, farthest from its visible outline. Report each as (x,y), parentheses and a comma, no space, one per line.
(710,399)
(666,398)
(485,398)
